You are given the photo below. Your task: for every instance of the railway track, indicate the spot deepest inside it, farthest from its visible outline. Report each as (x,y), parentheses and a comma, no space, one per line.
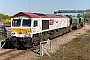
(7,55)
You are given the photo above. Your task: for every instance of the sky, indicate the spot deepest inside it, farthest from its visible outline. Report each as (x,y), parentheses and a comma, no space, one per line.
(10,7)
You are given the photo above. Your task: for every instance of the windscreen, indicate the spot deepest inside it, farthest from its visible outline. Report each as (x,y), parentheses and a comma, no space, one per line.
(26,22)
(16,22)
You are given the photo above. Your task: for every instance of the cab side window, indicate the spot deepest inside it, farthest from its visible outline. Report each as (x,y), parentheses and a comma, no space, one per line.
(35,23)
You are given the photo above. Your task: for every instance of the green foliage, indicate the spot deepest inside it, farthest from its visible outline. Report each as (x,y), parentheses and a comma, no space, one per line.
(4,17)
(85,15)
(78,15)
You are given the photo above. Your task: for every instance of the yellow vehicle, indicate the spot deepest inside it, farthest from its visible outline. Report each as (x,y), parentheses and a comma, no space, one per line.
(7,23)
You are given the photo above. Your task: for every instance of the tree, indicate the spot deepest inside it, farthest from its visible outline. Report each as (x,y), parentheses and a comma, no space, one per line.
(4,17)
(85,15)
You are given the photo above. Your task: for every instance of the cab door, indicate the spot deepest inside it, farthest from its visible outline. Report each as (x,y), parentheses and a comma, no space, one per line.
(36,28)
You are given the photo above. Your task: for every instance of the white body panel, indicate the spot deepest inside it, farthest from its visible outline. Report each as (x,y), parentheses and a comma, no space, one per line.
(57,23)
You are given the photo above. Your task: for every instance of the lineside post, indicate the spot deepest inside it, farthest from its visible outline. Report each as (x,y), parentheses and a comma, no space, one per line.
(42,47)
(1,46)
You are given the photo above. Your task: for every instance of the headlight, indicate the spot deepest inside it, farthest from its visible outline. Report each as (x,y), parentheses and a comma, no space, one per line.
(12,33)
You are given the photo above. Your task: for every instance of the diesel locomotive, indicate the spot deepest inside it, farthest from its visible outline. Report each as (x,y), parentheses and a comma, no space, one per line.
(29,29)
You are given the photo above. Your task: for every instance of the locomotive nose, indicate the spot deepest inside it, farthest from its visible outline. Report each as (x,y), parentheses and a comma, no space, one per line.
(19,32)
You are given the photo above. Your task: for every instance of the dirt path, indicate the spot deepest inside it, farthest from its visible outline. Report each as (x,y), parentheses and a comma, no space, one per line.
(56,43)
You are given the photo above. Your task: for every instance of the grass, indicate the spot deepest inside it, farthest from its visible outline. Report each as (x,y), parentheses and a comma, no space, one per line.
(77,49)
(1,38)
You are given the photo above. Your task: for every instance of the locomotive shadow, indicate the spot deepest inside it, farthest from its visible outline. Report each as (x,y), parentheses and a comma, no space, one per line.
(9,45)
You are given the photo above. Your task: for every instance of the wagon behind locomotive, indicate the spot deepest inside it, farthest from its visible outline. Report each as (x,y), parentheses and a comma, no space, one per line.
(76,22)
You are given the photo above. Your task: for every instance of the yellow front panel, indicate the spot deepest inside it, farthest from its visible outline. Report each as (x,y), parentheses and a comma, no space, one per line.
(21,31)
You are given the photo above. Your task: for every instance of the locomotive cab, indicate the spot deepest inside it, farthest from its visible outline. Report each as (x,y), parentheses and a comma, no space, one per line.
(21,27)
(21,31)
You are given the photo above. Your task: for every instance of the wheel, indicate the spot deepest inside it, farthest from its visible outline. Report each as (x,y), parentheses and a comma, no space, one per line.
(83,24)
(35,41)
(68,30)
(64,30)
(14,41)
(28,43)
(77,26)
(71,28)
(61,32)
(51,35)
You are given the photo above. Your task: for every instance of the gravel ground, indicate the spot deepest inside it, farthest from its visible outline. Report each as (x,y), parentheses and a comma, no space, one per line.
(4,50)
(55,43)
(67,38)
